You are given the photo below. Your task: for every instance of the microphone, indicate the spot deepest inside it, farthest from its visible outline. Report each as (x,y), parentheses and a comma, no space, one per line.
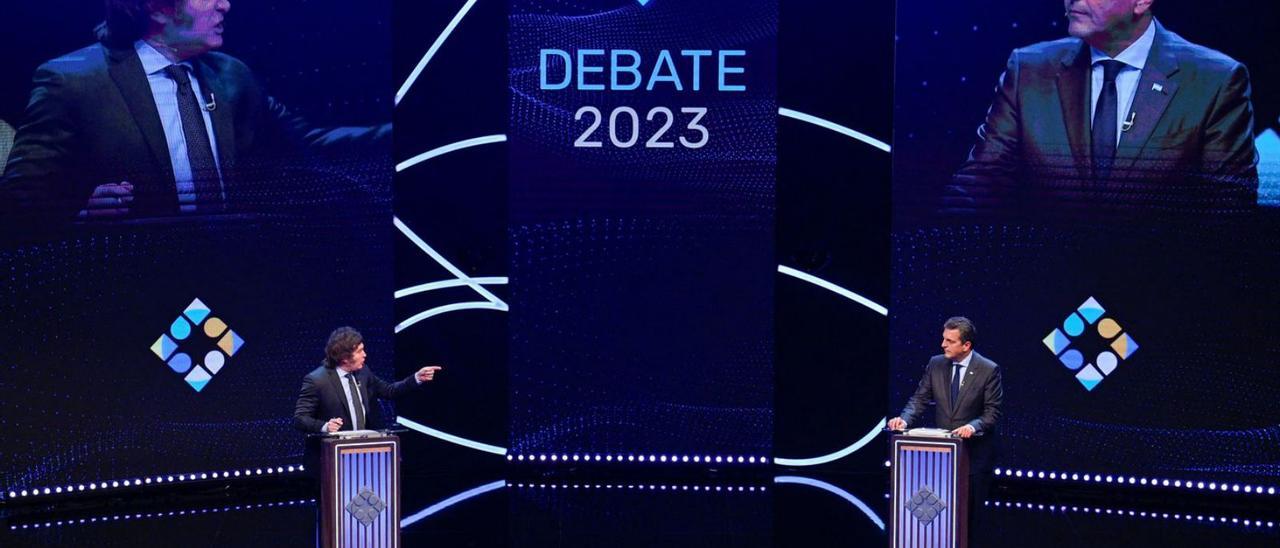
(1128,124)
(212,104)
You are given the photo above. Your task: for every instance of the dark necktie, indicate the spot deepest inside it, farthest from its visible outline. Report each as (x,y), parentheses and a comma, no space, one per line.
(355,400)
(204,171)
(955,384)
(1104,121)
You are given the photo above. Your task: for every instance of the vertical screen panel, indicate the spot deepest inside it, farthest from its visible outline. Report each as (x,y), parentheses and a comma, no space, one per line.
(642,153)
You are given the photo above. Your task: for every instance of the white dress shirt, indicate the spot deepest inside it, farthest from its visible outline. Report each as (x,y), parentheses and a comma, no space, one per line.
(964,366)
(352,399)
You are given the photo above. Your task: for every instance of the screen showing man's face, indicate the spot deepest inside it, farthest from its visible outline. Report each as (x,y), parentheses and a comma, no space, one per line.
(1091,17)
(196,26)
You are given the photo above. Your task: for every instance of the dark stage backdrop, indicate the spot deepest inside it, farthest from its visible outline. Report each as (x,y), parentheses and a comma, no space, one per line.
(643,308)
(1135,337)
(166,346)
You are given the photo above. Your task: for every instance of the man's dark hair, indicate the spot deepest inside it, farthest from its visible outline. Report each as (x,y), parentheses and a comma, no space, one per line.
(126,21)
(342,342)
(964,326)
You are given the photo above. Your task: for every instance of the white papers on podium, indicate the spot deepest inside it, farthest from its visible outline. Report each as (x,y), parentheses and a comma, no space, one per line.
(929,432)
(356,433)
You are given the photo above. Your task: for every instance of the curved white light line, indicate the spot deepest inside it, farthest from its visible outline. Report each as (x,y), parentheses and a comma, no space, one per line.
(438,258)
(875,431)
(431,52)
(834,127)
(473,492)
(476,305)
(834,288)
(451,438)
(477,141)
(835,490)
(495,280)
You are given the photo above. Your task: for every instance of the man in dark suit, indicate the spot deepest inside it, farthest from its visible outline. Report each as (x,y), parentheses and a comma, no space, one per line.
(338,395)
(151,122)
(967,391)
(1123,116)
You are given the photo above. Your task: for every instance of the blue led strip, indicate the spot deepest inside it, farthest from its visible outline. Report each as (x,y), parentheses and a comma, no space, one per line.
(1178,516)
(828,124)
(104,485)
(633,458)
(160,515)
(647,487)
(434,508)
(847,496)
(431,52)
(1137,481)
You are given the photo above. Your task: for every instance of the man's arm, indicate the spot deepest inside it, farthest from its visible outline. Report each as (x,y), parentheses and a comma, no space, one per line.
(304,412)
(1230,160)
(292,130)
(920,400)
(40,176)
(391,390)
(992,397)
(989,174)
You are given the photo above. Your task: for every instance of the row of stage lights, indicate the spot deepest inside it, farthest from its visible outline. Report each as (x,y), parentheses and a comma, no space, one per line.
(172,513)
(1132,480)
(647,487)
(1134,513)
(667,459)
(1137,481)
(156,480)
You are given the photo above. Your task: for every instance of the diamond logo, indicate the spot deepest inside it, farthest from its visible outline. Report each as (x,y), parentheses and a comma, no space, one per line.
(925,505)
(197,330)
(365,506)
(1090,317)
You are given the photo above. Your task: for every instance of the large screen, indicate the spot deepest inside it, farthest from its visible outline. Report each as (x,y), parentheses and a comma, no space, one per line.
(1130,303)
(147,334)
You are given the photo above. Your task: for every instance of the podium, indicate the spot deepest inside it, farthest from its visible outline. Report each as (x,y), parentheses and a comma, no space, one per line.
(929,505)
(359,490)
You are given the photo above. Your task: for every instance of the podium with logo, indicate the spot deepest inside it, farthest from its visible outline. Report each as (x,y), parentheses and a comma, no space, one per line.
(359,489)
(929,492)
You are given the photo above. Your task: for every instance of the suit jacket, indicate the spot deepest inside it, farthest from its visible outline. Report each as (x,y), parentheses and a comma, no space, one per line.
(1190,148)
(92,120)
(981,394)
(322,398)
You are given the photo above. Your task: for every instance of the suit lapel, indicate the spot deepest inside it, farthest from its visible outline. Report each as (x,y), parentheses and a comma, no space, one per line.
(363,389)
(971,374)
(126,71)
(943,378)
(335,381)
(1073,92)
(1155,92)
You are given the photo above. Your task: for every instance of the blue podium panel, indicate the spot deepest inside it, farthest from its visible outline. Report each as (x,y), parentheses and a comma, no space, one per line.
(363,508)
(929,493)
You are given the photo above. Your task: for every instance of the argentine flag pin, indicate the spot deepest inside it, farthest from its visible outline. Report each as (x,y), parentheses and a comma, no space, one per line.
(1157,87)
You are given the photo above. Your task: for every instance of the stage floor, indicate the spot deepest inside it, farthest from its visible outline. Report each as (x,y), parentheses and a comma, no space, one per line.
(559,510)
